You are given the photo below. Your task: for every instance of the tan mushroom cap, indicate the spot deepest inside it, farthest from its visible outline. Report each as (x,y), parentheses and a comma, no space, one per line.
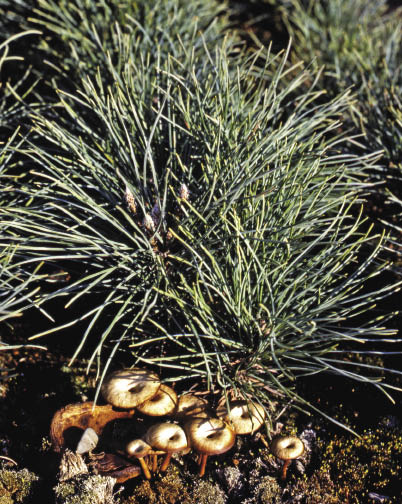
(190,405)
(287,447)
(138,448)
(244,416)
(168,437)
(127,388)
(211,436)
(162,403)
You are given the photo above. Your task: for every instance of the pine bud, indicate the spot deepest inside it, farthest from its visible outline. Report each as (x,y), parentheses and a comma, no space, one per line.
(130,200)
(184,193)
(148,223)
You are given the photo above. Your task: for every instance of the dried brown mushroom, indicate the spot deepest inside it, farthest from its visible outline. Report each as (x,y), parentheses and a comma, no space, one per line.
(109,464)
(82,416)
(209,436)
(167,437)
(244,416)
(127,388)
(139,449)
(287,448)
(162,403)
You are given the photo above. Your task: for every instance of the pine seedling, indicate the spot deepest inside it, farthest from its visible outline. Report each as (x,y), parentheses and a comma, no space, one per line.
(207,214)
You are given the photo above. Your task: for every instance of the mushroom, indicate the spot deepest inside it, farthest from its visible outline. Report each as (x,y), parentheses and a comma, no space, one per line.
(209,436)
(244,416)
(162,403)
(287,448)
(167,437)
(81,416)
(190,405)
(127,388)
(110,464)
(139,449)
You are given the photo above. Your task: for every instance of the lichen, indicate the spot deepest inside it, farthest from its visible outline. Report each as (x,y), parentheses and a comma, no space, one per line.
(16,486)
(205,492)
(268,491)
(85,489)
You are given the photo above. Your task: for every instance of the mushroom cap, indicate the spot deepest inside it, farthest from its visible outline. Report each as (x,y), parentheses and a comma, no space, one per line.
(287,447)
(244,416)
(126,388)
(210,436)
(138,448)
(162,403)
(190,405)
(168,437)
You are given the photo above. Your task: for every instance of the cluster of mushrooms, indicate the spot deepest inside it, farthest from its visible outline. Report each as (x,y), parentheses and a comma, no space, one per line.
(190,427)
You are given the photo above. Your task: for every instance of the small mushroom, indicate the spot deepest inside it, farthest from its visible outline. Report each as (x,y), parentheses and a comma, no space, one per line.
(162,403)
(139,449)
(287,448)
(127,388)
(167,437)
(244,416)
(190,405)
(210,436)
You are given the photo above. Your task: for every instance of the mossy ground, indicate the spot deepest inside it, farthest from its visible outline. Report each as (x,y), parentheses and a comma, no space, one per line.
(337,468)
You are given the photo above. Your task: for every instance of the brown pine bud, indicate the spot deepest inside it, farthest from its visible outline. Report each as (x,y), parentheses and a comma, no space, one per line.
(129,196)
(184,192)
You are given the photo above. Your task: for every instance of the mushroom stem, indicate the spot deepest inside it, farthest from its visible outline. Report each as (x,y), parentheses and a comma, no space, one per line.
(203,463)
(166,462)
(145,469)
(285,469)
(154,462)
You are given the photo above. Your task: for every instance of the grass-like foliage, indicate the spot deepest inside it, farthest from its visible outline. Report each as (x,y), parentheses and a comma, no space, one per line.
(201,204)
(359,44)
(17,288)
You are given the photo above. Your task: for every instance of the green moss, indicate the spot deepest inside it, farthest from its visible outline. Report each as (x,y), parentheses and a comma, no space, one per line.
(318,489)
(16,486)
(372,462)
(169,489)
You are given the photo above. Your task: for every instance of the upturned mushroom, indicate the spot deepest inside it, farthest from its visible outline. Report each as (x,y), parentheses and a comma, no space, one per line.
(127,388)
(167,437)
(209,436)
(287,448)
(190,405)
(138,448)
(82,416)
(244,416)
(162,403)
